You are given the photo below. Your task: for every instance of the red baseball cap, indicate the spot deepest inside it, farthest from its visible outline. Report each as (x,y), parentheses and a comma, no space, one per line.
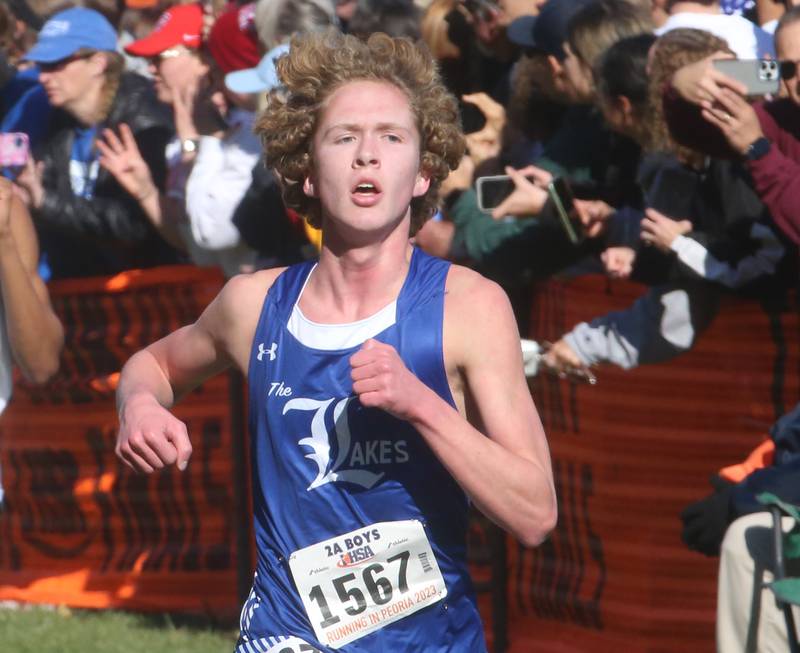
(233,42)
(178,25)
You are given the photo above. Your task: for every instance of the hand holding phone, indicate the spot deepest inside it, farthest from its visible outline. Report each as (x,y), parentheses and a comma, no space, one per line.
(519,193)
(759,76)
(564,202)
(14,152)
(492,191)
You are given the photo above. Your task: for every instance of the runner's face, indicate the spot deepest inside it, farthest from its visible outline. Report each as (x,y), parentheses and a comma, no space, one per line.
(366,153)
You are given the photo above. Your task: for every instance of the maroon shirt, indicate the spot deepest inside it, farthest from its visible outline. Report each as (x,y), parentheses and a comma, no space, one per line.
(776,176)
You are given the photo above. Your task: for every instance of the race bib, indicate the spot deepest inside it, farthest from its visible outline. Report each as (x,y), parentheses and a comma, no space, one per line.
(358,582)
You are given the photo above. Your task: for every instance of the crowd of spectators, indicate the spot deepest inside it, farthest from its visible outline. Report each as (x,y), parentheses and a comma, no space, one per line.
(139,116)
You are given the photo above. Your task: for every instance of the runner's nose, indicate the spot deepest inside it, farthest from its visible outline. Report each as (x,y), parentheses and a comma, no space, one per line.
(366,154)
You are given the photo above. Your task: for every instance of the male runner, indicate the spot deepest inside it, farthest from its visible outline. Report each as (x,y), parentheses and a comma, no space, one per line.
(361,370)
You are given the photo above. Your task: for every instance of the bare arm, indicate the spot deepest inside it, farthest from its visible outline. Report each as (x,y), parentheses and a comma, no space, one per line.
(508,474)
(34,332)
(150,437)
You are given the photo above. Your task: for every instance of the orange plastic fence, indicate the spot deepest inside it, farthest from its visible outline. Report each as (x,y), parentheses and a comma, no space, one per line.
(629,454)
(79,527)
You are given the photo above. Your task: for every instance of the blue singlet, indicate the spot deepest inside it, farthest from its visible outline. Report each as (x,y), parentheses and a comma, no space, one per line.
(324,466)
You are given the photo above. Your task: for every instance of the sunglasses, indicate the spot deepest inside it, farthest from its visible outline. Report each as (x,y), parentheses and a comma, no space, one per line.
(788,70)
(56,66)
(169,53)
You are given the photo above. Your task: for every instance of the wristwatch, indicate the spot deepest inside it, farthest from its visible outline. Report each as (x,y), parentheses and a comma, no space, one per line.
(757,149)
(190,145)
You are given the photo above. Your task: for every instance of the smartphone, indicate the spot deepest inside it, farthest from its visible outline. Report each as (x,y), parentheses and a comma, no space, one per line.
(760,76)
(564,201)
(14,150)
(492,190)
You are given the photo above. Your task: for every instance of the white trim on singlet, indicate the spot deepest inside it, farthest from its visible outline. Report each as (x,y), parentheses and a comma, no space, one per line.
(332,337)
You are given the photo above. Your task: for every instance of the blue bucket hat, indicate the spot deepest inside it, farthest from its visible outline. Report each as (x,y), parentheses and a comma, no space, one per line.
(70,30)
(260,79)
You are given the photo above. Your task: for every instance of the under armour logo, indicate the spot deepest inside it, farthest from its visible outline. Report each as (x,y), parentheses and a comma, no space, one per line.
(271,351)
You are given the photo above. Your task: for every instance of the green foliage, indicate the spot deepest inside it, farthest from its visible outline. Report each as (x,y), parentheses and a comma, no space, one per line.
(43,630)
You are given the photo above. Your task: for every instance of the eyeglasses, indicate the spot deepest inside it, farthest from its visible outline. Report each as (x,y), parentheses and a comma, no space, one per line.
(788,70)
(56,66)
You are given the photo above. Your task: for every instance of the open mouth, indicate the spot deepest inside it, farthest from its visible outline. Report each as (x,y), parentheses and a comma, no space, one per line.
(366,188)
(366,193)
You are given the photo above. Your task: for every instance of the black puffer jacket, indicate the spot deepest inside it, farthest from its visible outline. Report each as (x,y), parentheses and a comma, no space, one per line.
(109,232)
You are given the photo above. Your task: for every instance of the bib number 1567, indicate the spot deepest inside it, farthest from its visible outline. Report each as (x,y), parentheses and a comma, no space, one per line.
(348,589)
(349,595)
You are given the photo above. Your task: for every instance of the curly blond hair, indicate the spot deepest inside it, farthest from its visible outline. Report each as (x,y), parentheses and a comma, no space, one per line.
(316,66)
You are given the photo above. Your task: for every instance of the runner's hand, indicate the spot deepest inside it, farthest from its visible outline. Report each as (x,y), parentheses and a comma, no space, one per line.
(381,380)
(150,437)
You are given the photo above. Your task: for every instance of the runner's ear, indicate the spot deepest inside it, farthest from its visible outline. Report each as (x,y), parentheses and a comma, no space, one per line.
(421,185)
(308,187)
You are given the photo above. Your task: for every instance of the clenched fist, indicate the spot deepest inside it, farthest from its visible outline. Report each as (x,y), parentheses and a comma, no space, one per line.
(381,380)
(150,437)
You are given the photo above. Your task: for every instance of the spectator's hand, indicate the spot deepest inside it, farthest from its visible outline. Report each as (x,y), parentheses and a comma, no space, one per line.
(209,113)
(560,357)
(705,521)
(594,215)
(618,261)
(458,179)
(528,196)
(150,437)
(487,24)
(700,83)
(121,157)
(486,143)
(661,231)
(735,118)
(6,200)
(183,101)
(30,182)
